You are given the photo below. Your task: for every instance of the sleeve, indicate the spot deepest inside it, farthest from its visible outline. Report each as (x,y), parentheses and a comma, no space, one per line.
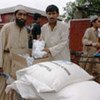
(3,41)
(85,39)
(1,50)
(43,31)
(63,42)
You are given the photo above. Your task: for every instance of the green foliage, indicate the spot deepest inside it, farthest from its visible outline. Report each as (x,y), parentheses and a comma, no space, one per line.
(87,7)
(70,8)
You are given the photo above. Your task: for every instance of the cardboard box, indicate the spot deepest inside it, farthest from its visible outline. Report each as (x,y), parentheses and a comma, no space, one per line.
(20,62)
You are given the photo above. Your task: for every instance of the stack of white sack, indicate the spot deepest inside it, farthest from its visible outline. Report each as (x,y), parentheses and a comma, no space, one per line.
(51,80)
(85,90)
(38,46)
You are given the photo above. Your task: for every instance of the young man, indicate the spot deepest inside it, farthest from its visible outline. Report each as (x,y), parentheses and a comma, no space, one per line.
(56,35)
(13,39)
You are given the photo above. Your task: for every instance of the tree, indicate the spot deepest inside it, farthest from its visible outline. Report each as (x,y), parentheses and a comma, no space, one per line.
(69,9)
(86,7)
(89,7)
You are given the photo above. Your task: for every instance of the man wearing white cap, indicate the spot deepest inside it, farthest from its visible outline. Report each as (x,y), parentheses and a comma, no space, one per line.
(13,39)
(91,43)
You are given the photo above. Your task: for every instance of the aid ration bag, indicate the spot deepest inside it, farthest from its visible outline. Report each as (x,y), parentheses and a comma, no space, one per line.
(53,76)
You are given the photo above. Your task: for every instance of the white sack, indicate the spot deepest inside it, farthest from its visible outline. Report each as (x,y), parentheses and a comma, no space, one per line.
(24,88)
(87,90)
(53,76)
(38,46)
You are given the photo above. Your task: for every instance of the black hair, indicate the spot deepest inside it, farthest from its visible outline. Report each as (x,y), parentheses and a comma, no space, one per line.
(36,16)
(16,12)
(52,8)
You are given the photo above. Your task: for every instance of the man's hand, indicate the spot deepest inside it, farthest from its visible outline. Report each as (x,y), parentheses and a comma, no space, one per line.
(47,50)
(45,56)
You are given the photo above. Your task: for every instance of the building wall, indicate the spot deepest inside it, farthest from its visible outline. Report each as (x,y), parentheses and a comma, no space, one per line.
(77,29)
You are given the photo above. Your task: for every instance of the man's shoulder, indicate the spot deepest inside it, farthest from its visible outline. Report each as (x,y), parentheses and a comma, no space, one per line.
(89,29)
(8,25)
(45,25)
(62,23)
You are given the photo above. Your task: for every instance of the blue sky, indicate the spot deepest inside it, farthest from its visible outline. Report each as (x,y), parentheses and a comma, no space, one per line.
(37,4)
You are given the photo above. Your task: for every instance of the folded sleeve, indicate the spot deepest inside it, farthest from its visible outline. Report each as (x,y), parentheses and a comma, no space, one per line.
(3,41)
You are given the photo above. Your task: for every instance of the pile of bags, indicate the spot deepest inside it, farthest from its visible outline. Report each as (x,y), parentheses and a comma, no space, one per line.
(55,80)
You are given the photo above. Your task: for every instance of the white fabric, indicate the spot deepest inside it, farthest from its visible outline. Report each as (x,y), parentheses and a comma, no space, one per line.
(38,46)
(57,40)
(87,90)
(20,7)
(94,17)
(55,74)
(28,59)
(48,77)
(24,88)
(10,80)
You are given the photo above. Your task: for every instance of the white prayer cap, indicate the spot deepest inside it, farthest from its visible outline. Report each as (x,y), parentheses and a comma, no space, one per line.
(20,7)
(93,18)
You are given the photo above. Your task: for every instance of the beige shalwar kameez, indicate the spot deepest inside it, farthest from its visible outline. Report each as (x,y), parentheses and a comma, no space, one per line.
(90,36)
(57,40)
(12,40)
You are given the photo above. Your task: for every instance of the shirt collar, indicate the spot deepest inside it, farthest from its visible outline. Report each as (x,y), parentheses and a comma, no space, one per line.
(54,27)
(94,29)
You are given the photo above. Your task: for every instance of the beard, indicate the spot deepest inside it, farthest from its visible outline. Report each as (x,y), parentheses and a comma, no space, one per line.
(20,22)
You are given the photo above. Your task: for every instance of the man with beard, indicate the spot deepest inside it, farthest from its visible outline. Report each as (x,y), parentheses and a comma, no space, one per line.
(13,39)
(55,34)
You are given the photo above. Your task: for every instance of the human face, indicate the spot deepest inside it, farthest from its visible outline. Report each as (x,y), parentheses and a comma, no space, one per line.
(21,16)
(52,16)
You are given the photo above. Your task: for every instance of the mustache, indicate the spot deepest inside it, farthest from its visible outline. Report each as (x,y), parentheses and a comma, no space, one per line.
(51,18)
(22,20)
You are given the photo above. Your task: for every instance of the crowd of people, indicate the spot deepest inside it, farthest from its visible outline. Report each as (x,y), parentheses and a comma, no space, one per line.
(14,39)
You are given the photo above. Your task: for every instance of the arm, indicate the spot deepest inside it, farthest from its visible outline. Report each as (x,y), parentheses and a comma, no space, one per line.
(3,41)
(89,42)
(85,39)
(62,42)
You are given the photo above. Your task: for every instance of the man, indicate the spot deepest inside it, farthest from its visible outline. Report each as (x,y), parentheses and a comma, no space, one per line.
(36,28)
(91,45)
(13,39)
(55,34)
